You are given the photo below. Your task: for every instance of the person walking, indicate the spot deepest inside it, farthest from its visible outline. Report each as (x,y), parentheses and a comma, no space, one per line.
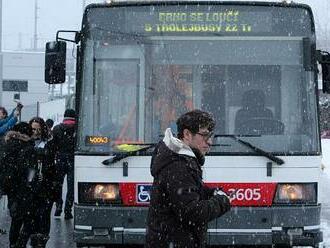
(15,165)
(64,139)
(181,205)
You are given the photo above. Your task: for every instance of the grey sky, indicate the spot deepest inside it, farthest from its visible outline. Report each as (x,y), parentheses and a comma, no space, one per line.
(18,19)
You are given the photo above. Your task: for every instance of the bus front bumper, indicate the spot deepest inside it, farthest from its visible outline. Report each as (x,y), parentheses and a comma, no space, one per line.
(241,226)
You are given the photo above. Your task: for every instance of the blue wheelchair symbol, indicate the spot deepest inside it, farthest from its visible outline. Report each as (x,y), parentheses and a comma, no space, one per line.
(143,193)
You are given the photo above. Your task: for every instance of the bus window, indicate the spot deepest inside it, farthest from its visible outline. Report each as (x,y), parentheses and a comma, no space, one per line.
(213,95)
(171,96)
(116,117)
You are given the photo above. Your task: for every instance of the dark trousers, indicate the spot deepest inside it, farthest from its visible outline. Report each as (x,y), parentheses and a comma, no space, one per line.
(36,224)
(64,163)
(18,215)
(15,228)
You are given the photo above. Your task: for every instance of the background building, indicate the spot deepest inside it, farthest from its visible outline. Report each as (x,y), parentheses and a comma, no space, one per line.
(23,80)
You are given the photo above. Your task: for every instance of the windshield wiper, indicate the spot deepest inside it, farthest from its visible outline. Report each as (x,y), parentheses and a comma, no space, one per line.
(121,155)
(258,150)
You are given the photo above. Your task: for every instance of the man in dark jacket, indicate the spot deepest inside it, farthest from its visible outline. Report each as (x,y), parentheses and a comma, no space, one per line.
(63,138)
(181,205)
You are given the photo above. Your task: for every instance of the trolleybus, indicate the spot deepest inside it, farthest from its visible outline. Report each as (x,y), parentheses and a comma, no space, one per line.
(253,65)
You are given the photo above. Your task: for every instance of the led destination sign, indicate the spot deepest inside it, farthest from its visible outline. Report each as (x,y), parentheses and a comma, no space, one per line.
(227,21)
(201,19)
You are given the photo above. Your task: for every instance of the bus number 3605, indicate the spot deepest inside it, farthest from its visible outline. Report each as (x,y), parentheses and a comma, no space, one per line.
(245,194)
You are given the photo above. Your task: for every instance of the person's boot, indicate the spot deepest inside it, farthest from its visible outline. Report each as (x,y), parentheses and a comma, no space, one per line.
(58,210)
(39,240)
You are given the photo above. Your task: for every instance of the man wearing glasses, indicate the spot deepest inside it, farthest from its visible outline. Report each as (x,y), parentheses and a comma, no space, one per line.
(181,205)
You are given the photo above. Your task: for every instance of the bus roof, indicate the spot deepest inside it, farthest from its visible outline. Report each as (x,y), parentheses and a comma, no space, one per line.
(240,2)
(283,3)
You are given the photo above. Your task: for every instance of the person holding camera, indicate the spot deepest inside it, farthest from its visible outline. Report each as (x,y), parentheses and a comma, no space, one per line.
(45,189)
(181,205)
(39,189)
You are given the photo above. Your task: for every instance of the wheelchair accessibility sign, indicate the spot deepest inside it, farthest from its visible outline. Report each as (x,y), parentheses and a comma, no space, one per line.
(143,192)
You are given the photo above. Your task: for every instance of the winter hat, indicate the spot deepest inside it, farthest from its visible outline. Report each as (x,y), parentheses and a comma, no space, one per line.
(70,113)
(23,128)
(49,123)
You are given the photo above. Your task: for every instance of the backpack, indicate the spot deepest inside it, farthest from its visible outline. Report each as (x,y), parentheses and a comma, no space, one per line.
(64,136)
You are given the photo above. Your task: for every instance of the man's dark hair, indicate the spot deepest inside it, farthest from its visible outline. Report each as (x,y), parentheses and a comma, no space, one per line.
(193,121)
(49,123)
(4,111)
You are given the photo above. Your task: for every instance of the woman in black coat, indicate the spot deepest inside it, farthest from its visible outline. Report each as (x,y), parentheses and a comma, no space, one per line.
(46,189)
(15,166)
(43,187)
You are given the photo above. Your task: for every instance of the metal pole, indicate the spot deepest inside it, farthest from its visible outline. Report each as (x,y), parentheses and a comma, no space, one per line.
(35,38)
(38,108)
(1,63)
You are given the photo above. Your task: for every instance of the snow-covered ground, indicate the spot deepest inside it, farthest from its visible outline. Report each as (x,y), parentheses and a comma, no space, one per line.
(324,192)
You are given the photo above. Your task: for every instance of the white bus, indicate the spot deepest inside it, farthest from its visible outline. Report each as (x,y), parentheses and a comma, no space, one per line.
(140,65)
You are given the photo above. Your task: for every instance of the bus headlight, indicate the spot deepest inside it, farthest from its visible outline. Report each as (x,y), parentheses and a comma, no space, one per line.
(295,193)
(98,193)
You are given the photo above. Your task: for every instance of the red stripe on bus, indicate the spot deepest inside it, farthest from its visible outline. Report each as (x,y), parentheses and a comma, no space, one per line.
(248,194)
(245,194)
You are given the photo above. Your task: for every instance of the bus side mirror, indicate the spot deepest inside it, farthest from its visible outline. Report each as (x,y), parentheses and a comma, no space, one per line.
(55,62)
(324,59)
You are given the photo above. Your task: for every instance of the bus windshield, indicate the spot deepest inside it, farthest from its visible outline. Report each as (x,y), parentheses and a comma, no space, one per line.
(144,66)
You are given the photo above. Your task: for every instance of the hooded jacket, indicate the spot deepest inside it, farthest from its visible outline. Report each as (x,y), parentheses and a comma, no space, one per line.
(31,171)
(181,205)
(14,161)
